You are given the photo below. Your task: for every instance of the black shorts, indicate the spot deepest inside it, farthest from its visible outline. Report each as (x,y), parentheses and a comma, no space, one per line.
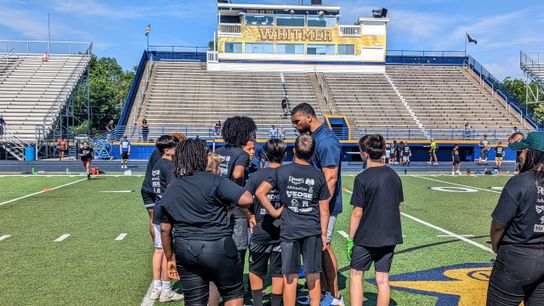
(259,257)
(309,248)
(456,162)
(200,262)
(85,161)
(149,199)
(124,155)
(362,257)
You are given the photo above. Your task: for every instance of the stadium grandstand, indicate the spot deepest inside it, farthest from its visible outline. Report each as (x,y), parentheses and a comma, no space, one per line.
(37,82)
(261,55)
(532,65)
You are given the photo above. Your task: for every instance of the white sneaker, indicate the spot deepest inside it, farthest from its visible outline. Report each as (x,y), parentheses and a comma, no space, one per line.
(453,174)
(169,296)
(155,293)
(339,302)
(459,172)
(329,300)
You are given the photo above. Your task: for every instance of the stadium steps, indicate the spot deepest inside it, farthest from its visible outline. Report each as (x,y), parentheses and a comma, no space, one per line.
(444,97)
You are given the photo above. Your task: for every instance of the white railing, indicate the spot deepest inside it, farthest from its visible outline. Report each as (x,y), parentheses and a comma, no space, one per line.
(350,31)
(212,56)
(229,29)
(13,145)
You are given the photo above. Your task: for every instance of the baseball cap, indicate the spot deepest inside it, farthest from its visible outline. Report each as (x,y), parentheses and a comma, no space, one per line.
(533,140)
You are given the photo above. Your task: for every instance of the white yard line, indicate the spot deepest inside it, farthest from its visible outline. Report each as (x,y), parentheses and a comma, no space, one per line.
(40,192)
(121,236)
(147,301)
(343,234)
(62,237)
(455,184)
(117,191)
(459,237)
(4,237)
(466,236)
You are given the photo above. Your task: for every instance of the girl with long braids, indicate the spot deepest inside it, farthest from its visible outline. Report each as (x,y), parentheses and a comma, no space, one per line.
(195,206)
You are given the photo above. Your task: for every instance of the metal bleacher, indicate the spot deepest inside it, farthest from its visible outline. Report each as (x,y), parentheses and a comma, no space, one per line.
(186,94)
(33,91)
(410,101)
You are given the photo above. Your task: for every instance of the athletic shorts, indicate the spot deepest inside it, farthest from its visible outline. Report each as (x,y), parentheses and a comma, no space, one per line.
(362,257)
(498,158)
(484,153)
(309,248)
(456,162)
(149,199)
(432,151)
(200,262)
(262,256)
(330,228)
(158,240)
(239,233)
(85,161)
(124,155)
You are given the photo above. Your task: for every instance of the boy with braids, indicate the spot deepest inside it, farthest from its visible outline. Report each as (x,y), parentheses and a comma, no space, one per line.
(237,132)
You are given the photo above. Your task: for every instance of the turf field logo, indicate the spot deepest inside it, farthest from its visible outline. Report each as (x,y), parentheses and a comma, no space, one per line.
(453,189)
(462,285)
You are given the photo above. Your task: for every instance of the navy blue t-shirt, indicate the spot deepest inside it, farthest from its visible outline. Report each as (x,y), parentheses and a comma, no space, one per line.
(328,153)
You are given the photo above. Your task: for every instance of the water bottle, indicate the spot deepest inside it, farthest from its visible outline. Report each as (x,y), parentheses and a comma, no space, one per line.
(67,171)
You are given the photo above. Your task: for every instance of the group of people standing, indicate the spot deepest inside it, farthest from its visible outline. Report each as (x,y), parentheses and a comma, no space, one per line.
(208,209)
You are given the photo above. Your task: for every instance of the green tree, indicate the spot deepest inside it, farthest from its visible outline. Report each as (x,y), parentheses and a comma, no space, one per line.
(109,86)
(518,87)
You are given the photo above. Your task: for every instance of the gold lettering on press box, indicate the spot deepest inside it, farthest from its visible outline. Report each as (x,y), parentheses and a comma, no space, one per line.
(287,34)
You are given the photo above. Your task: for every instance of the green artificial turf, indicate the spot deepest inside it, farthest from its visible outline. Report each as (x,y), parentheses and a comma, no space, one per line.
(91,268)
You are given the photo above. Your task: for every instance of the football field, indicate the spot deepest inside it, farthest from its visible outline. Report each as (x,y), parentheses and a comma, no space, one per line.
(68,241)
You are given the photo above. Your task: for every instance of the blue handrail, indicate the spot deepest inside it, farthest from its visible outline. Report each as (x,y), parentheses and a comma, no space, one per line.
(131,95)
(511,98)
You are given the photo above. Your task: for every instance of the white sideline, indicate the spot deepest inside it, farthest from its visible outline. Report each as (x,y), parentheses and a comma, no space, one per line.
(455,184)
(476,244)
(4,237)
(147,301)
(466,236)
(39,192)
(121,236)
(62,237)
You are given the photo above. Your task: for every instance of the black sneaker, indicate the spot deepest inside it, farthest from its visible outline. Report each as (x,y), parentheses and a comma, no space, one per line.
(88,176)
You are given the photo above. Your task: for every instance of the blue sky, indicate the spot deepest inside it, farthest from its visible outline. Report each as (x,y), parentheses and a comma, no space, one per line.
(116,27)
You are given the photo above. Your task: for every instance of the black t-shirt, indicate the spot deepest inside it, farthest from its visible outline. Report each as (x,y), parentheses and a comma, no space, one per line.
(197,206)
(301,188)
(455,155)
(230,158)
(86,154)
(499,151)
(406,150)
(146,185)
(521,210)
(264,231)
(162,175)
(378,191)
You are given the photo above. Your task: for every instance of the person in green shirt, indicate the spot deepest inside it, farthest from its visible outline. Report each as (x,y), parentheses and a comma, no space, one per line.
(432,153)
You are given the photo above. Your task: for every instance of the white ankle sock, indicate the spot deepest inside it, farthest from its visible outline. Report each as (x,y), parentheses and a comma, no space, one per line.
(157,283)
(166,285)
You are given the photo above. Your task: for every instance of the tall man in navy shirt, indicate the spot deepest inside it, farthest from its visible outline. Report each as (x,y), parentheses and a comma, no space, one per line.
(327,158)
